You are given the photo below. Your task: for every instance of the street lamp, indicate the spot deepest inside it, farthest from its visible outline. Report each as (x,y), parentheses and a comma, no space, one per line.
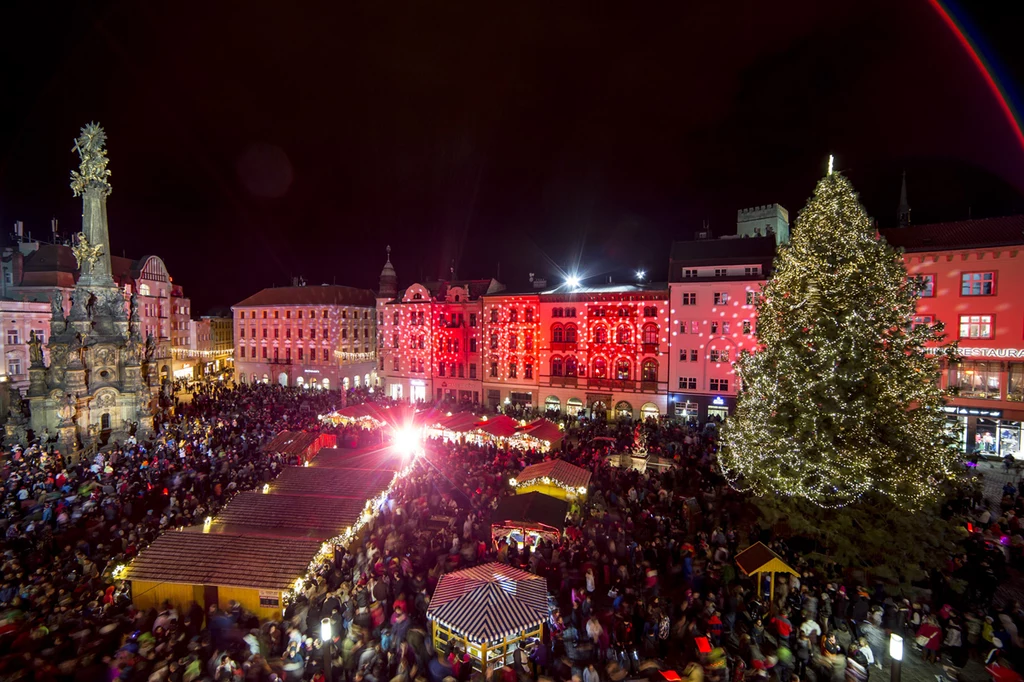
(896,654)
(325,637)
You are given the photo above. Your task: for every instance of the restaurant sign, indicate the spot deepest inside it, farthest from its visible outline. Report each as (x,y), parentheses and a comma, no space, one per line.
(991,352)
(972,411)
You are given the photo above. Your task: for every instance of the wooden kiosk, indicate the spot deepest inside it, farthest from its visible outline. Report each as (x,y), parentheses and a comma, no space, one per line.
(489,611)
(757,560)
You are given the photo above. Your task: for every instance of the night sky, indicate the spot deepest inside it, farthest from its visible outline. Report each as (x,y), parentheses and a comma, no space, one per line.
(252,144)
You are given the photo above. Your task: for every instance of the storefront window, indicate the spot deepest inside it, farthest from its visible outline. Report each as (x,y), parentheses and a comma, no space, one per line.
(978,379)
(985,437)
(1015,388)
(1009,439)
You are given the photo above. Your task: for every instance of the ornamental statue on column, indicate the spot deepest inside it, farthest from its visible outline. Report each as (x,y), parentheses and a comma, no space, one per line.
(91,182)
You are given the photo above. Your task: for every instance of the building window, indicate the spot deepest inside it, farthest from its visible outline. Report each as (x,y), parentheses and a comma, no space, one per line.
(721,272)
(976,327)
(13,337)
(721,298)
(570,333)
(472,345)
(472,319)
(529,314)
(688,272)
(301,351)
(925,286)
(687,383)
(570,312)
(395,365)
(649,370)
(556,366)
(600,335)
(751,298)
(395,319)
(527,370)
(440,369)
(725,327)
(264,352)
(622,369)
(682,355)
(462,371)
(494,369)
(689,298)
(720,356)
(978,379)
(623,335)
(693,355)
(241,352)
(650,334)
(1015,389)
(513,342)
(977,283)
(570,366)
(494,315)
(752,272)
(714,326)
(600,368)
(472,370)
(494,341)
(14,366)
(324,355)
(513,315)
(527,342)
(650,311)
(511,370)
(922,321)
(719,384)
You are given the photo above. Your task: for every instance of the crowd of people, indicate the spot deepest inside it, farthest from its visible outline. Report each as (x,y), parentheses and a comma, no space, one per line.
(643,576)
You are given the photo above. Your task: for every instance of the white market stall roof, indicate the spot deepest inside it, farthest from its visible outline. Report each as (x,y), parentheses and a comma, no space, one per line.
(489,602)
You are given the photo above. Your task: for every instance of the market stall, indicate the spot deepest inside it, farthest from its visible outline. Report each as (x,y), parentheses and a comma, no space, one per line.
(488,611)
(757,561)
(497,430)
(540,434)
(454,427)
(526,519)
(554,477)
(363,414)
(304,444)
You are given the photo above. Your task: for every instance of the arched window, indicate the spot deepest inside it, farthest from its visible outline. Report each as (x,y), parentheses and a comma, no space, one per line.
(557,333)
(570,366)
(570,312)
(556,366)
(552,404)
(600,369)
(650,334)
(623,312)
(570,333)
(622,369)
(144,290)
(601,334)
(649,370)
(623,334)
(623,410)
(556,312)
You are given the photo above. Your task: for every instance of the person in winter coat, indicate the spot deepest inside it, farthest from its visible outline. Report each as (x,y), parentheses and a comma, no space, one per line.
(929,637)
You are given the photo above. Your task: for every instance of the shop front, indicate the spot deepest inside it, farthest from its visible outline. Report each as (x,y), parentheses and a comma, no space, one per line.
(985,432)
(702,407)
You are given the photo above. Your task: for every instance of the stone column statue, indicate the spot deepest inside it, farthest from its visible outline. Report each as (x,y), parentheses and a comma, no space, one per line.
(57,305)
(35,350)
(92,182)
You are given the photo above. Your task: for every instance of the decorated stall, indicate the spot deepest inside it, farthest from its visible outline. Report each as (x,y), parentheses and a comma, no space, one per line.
(454,428)
(363,414)
(554,477)
(497,430)
(303,444)
(526,519)
(757,561)
(488,611)
(541,435)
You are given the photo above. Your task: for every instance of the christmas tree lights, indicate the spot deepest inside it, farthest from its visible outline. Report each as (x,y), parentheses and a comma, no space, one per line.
(843,398)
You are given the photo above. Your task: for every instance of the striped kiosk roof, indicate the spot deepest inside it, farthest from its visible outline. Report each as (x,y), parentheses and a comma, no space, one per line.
(489,602)
(567,474)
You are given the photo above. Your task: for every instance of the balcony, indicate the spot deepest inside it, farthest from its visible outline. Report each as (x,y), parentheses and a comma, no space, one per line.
(612,384)
(650,387)
(650,348)
(280,361)
(563,346)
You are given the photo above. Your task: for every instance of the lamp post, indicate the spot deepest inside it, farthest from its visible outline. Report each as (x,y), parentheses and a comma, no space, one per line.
(325,636)
(896,654)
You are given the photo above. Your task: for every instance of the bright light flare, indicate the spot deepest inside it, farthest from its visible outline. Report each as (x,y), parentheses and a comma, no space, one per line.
(572,281)
(640,274)
(407,441)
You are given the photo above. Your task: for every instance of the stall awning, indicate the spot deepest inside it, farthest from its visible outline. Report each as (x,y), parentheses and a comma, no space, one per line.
(501,426)
(568,475)
(759,559)
(542,429)
(489,602)
(534,508)
(463,422)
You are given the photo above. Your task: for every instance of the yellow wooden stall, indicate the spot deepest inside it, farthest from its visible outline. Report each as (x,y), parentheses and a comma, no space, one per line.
(555,478)
(758,560)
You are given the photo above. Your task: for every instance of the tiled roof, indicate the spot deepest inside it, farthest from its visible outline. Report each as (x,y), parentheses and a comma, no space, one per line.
(965,234)
(291,515)
(311,295)
(563,472)
(381,459)
(291,442)
(326,482)
(196,558)
(49,257)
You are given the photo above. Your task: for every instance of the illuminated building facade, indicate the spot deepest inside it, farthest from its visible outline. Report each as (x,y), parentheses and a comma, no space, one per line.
(313,336)
(712,286)
(972,275)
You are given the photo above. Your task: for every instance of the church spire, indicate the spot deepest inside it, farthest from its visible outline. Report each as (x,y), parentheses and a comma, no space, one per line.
(903,213)
(388,286)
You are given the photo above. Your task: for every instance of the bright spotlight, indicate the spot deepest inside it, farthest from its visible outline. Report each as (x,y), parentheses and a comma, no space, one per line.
(640,274)
(407,441)
(573,282)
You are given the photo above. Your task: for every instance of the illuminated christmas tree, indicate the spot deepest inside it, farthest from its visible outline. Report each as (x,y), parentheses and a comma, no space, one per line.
(841,401)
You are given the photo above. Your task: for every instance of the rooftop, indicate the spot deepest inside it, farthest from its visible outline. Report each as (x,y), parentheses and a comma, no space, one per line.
(324,295)
(964,234)
(289,516)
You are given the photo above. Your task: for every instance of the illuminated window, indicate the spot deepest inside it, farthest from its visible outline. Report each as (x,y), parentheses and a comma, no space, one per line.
(650,334)
(556,366)
(622,369)
(1015,388)
(977,379)
(718,384)
(689,298)
(746,326)
(688,383)
(977,283)
(721,298)
(600,369)
(144,290)
(649,370)
(720,356)
(976,327)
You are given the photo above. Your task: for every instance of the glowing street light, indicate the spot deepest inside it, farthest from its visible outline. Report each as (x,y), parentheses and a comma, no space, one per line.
(325,637)
(896,654)
(407,441)
(640,274)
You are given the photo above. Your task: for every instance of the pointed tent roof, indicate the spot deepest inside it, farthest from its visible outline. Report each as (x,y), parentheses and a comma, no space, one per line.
(501,426)
(759,559)
(490,601)
(542,429)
